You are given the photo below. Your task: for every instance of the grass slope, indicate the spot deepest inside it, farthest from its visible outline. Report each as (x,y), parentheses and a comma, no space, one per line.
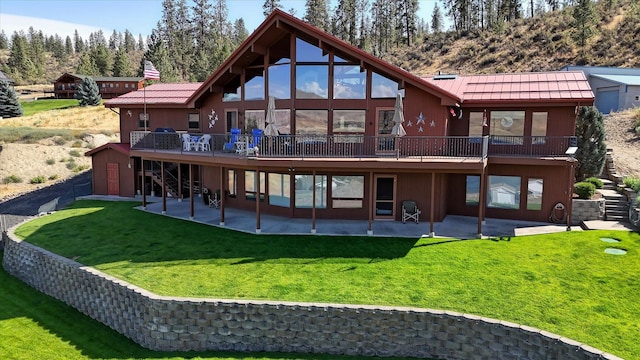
(33,107)
(563,283)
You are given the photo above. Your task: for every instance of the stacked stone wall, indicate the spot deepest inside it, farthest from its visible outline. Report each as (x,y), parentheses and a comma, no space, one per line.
(584,210)
(185,324)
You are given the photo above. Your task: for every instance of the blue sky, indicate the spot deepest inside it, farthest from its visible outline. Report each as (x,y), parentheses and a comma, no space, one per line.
(62,17)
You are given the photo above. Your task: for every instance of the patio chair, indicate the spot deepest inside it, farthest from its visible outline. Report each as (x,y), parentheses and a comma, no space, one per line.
(203,143)
(214,201)
(187,142)
(410,211)
(230,146)
(256,137)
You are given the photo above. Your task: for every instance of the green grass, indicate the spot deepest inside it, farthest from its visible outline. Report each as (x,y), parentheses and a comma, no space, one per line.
(563,283)
(37,106)
(32,135)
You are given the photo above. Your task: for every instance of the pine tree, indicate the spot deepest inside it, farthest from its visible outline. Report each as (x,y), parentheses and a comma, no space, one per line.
(141,45)
(591,146)
(101,57)
(129,42)
(406,11)
(4,42)
(584,16)
(9,104)
(68,46)
(240,32)
(19,61)
(78,43)
(88,92)
(317,14)
(121,64)
(87,66)
(269,6)
(436,19)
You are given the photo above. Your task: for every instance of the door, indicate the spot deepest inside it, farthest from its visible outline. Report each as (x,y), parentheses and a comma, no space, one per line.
(384,124)
(385,193)
(607,100)
(113,179)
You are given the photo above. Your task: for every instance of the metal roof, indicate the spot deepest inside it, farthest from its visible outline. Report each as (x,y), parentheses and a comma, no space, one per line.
(156,94)
(633,80)
(529,87)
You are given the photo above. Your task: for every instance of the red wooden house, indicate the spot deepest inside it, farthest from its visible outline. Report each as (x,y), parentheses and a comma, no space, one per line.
(65,86)
(332,146)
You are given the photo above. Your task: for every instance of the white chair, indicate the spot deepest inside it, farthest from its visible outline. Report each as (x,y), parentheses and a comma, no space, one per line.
(187,143)
(410,211)
(203,144)
(214,201)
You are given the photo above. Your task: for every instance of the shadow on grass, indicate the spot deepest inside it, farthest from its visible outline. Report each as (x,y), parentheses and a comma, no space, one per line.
(105,232)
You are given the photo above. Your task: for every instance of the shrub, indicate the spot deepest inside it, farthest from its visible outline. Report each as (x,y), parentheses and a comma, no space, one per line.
(585,190)
(595,181)
(632,182)
(59,141)
(77,144)
(80,168)
(53,177)
(74,153)
(50,161)
(71,165)
(38,180)
(12,179)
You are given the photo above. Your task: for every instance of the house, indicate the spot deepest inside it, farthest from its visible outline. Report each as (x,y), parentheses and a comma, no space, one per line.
(5,78)
(65,86)
(615,89)
(299,124)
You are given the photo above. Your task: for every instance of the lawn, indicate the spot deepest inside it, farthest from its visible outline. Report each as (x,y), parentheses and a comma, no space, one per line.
(563,283)
(37,106)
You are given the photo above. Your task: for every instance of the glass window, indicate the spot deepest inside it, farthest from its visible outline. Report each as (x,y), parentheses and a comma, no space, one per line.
(539,127)
(382,87)
(312,122)
(232,119)
(304,191)
(312,81)
(126,86)
(233,188)
(504,192)
(347,122)
(253,119)
(252,186)
(283,121)
(143,120)
(507,127)
(349,82)
(194,122)
(233,90)
(280,81)
(279,190)
(305,52)
(254,84)
(472,196)
(384,124)
(534,194)
(347,192)
(476,124)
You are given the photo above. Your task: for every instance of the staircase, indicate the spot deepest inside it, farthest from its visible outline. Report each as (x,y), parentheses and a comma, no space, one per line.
(616,205)
(171,182)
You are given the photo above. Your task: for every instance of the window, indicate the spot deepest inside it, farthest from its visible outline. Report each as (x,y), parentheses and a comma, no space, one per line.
(304,191)
(251,185)
(143,121)
(110,85)
(104,85)
(232,182)
(253,119)
(504,192)
(347,192)
(346,122)
(280,81)
(507,127)
(312,122)
(232,91)
(382,87)
(194,122)
(254,85)
(476,124)
(472,196)
(349,82)
(117,85)
(283,121)
(232,119)
(279,190)
(539,127)
(384,124)
(306,52)
(312,81)
(534,194)
(126,86)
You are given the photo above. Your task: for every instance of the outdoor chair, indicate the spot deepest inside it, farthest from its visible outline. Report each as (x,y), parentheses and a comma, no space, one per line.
(410,211)
(256,137)
(230,146)
(214,201)
(187,142)
(203,143)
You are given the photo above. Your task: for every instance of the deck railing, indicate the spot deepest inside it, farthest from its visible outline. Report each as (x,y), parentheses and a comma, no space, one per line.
(360,146)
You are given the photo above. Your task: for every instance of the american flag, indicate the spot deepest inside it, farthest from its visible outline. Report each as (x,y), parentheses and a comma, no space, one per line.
(150,71)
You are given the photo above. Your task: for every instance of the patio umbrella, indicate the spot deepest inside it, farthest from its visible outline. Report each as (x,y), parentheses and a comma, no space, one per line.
(271,129)
(398,118)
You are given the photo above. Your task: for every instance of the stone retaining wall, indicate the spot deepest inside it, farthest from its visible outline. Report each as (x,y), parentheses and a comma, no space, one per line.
(184,324)
(584,210)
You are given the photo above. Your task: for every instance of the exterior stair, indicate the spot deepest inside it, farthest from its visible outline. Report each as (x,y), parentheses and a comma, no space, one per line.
(616,205)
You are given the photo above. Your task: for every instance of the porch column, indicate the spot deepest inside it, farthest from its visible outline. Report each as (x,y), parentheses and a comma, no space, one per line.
(258,189)
(191,200)
(482,201)
(371,204)
(313,205)
(432,204)
(572,175)
(164,186)
(222,193)
(179,182)
(144,190)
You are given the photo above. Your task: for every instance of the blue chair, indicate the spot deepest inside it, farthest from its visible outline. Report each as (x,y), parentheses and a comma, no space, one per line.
(256,137)
(230,146)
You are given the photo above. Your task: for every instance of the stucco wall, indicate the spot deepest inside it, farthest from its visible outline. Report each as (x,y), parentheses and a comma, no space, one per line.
(167,324)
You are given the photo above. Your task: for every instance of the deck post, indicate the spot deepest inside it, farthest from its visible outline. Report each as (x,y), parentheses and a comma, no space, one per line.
(179,183)
(313,206)
(144,190)
(432,205)
(191,200)
(164,187)
(257,186)
(570,192)
(482,200)
(222,196)
(371,203)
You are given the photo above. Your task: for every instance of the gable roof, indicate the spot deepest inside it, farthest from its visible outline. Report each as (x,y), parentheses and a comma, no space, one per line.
(633,80)
(278,23)
(156,94)
(561,86)
(101,78)
(4,77)
(119,147)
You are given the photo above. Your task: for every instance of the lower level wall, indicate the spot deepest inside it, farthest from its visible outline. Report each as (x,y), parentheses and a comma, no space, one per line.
(184,324)
(584,210)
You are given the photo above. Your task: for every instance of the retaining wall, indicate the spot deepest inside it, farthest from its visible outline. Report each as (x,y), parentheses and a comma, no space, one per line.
(583,210)
(185,324)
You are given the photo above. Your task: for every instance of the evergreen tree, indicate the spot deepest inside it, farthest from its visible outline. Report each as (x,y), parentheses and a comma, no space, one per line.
(317,14)
(129,42)
(57,48)
(584,16)
(121,64)
(222,39)
(78,43)
(240,32)
(9,104)
(345,21)
(68,46)
(86,66)
(591,146)
(36,51)
(88,92)
(269,6)
(436,19)
(157,53)
(19,62)
(141,45)
(384,30)
(202,41)
(407,13)
(101,57)
(114,41)
(4,41)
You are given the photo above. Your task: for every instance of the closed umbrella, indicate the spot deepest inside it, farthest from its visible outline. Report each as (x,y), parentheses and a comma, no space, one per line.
(398,118)
(271,129)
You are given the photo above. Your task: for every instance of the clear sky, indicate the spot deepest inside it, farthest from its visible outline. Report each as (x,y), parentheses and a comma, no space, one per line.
(62,17)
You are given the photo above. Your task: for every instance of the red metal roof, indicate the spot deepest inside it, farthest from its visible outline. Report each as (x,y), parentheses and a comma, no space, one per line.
(119,147)
(527,87)
(156,94)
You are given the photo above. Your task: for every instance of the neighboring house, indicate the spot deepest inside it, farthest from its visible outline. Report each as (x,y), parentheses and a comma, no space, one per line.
(5,78)
(615,89)
(65,86)
(481,146)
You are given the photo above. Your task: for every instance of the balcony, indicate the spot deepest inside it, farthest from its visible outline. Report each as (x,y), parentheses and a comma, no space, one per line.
(358,146)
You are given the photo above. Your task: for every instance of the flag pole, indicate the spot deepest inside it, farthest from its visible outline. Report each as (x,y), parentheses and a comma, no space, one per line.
(144,102)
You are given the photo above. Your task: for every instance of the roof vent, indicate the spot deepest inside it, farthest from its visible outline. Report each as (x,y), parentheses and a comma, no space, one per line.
(445,77)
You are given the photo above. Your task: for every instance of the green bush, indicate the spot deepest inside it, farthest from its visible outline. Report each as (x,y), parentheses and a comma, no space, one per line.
(585,190)
(595,181)
(50,161)
(53,177)
(38,180)
(12,179)
(74,153)
(632,182)
(77,144)
(71,165)
(80,168)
